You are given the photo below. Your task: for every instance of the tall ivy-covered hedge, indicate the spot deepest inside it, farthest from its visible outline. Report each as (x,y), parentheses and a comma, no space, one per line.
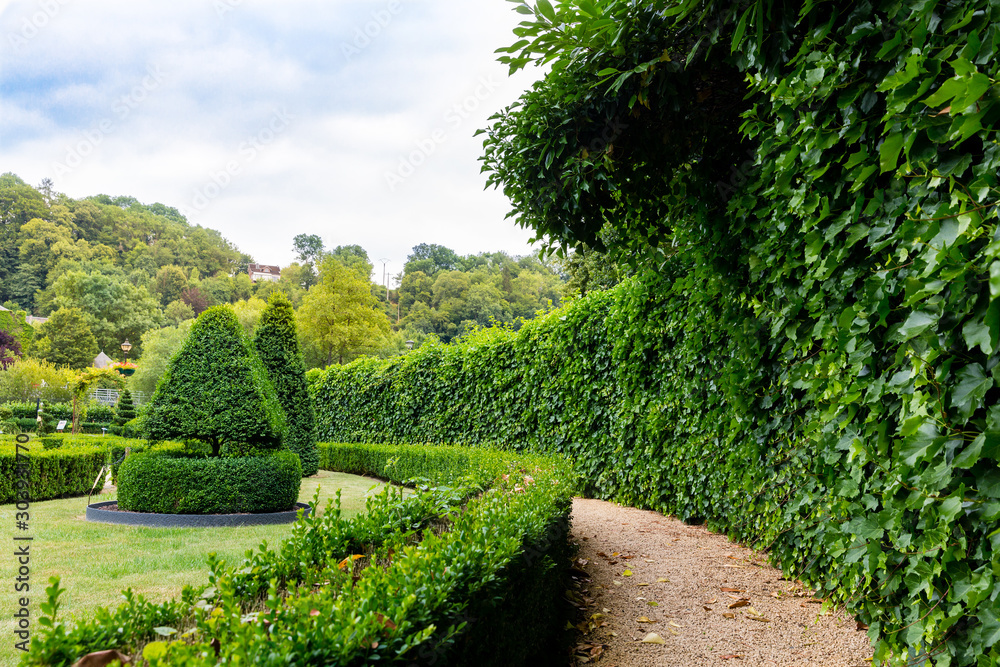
(669,394)
(217,391)
(278,347)
(833,165)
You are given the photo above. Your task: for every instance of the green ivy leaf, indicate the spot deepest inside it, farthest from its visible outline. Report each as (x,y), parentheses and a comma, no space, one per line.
(889,151)
(917,323)
(973,384)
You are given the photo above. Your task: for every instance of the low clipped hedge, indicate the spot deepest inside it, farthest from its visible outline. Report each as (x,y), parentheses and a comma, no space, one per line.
(104,414)
(436,464)
(176,483)
(51,473)
(467,573)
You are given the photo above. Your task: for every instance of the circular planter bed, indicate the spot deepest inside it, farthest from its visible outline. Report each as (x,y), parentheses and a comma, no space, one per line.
(107,512)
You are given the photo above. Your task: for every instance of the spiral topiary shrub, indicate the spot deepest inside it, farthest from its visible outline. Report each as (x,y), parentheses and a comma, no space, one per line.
(176,483)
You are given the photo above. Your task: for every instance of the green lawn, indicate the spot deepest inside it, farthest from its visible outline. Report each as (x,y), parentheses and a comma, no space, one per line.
(97,561)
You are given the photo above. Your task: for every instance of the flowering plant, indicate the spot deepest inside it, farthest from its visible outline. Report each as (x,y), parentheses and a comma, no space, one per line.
(125,364)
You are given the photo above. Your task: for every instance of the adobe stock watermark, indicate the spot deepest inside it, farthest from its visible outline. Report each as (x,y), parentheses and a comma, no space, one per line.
(22,543)
(738,176)
(121,109)
(248,150)
(32,25)
(426,147)
(223,7)
(364,35)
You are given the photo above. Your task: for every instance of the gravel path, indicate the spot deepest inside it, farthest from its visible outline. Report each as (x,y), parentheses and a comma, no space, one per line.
(696,599)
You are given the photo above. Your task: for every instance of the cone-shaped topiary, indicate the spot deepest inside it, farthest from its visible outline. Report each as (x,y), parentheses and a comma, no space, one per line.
(277,345)
(125,410)
(216,390)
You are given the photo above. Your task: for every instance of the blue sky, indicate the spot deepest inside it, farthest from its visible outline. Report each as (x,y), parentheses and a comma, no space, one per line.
(267,119)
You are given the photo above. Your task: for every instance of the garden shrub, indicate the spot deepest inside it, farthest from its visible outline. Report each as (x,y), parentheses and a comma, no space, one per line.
(463,577)
(52,473)
(216,390)
(182,483)
(277,345)
(95,412)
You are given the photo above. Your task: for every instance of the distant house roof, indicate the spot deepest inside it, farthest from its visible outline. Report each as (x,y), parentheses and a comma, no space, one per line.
(102,360)
(265,268)
(7,309)
(263,271)
(31,319)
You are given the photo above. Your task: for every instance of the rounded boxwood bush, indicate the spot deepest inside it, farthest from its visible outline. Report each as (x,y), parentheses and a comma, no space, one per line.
(175,483)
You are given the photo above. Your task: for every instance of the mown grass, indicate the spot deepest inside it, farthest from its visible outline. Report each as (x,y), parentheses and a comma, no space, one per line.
(97,561)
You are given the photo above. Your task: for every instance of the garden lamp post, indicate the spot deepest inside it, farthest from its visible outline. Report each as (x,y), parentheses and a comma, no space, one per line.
(126,346)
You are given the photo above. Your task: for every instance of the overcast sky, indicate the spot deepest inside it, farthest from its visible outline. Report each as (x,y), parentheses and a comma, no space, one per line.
(265,119)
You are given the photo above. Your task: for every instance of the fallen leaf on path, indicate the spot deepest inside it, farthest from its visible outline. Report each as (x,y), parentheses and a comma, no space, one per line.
(727,589)
(653,638)
(730,656)
(728,615)
(627,573)
(743,602)
(712,601)
(673,632)
(643,619)
(642,583)
(663,580)
(675,625)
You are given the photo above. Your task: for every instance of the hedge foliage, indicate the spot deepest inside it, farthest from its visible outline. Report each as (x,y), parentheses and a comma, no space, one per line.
(217,391)
(277,345)
(172,482)
(453,575)
(95,413)
(670,394)
(50,473)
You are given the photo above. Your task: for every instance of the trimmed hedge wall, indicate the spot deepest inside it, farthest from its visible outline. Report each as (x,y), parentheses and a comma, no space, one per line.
(99,414)
(52,473)
(454,575)
(670,394)
(180,483)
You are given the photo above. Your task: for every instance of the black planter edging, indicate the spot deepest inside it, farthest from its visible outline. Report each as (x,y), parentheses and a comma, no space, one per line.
(152,520)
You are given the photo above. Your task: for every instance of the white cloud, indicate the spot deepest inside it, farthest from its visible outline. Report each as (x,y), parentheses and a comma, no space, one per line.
(188,94)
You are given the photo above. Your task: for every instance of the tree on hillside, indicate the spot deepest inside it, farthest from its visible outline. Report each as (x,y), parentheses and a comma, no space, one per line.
(170,283)
(10,350)
(277,345)
(355,258)
(19,203)
(308,248)
(431,258)
(66,339)
(339,318)
(115,308)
